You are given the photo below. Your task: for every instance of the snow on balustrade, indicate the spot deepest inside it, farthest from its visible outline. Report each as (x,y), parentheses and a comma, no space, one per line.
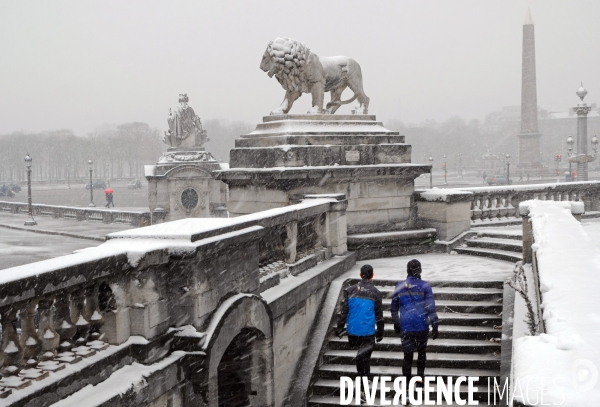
(75,297)
(568,265)
(501,202)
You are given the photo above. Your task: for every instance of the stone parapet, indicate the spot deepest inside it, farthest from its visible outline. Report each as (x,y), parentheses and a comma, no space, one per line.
(448,211)
(172,280)
(392,244)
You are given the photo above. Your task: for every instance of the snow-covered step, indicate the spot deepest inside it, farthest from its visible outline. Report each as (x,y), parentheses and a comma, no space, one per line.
(459,318)
(491,253)
(394,343)
(486,307)
(459,332)
(512,234)
(334,371)
(441,283)
(454,293)
(495,243)
(396,358)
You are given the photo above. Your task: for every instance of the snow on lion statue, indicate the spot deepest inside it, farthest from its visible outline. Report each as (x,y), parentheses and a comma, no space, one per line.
(300,71)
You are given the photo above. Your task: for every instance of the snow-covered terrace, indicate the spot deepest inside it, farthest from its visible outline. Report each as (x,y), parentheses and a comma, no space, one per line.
(565,358)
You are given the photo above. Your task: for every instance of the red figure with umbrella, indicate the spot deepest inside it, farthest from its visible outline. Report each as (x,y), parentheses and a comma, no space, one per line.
(109,197)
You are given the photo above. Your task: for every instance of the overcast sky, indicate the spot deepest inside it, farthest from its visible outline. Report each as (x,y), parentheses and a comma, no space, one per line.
(79,65)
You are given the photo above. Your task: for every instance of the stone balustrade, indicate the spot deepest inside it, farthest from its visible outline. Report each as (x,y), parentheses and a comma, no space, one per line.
(86,307)
(502,202)
(452,211)
(132,218)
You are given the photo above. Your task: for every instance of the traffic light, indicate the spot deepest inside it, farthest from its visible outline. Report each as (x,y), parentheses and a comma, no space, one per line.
(444,166)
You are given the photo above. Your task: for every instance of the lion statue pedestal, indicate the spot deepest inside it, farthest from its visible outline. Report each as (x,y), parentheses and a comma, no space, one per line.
(289,155)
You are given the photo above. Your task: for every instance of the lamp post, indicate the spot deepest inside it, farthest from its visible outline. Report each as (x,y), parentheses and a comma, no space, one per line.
(460,169)
(30,221)
(431,173)
(570,143)
(107,176)
(581,156)
(68,177)
(445,171)
(91,164)
(508,169)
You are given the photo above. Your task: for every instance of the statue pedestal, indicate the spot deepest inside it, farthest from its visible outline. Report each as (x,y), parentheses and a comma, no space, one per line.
(288,156)
(182,184)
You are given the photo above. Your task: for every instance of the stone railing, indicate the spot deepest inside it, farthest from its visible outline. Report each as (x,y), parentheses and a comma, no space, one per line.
(89,309)
(502,202)
(132,218)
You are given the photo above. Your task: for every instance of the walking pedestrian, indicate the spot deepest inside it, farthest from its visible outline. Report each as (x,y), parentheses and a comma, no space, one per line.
(484,178)
(413,309)
(362,314)
(109,200)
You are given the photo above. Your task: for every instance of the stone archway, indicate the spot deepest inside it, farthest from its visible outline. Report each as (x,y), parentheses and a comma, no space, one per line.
(239,350)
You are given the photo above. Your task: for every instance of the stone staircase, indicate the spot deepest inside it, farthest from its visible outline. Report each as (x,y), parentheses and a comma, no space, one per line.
(494,244)
(468,342)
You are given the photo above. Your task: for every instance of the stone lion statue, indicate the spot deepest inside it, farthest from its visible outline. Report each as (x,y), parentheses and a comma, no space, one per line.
(300,71)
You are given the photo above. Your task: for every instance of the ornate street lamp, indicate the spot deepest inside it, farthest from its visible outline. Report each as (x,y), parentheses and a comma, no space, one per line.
(581,156)
(508,169)
(30,221)
(431,173)
(445,171)
(570,143)
(91,164)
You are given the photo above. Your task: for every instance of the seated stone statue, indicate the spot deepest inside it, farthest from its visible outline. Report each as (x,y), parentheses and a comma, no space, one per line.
(185,127)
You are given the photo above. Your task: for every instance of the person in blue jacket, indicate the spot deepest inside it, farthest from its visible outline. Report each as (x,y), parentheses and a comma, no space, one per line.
(413,309)
(362,313)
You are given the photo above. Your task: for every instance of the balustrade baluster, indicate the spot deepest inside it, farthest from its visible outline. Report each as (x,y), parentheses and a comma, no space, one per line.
(515,201)
(92,314)
(476,212)
(485,210)
(30,342)
(81,323)
(65,329)
(493,207)
(12,352)
(502,208)
(48,336)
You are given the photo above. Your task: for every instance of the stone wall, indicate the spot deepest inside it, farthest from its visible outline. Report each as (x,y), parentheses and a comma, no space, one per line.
(295,306)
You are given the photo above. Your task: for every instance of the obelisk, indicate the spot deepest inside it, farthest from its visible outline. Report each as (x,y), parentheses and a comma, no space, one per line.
(529,138)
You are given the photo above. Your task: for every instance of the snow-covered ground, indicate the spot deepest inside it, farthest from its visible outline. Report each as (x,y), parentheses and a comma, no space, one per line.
(439,267)
(592,227)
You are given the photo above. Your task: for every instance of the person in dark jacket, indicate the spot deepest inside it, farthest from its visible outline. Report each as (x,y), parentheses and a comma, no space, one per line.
(413,309)
(109,200)
(362,314)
